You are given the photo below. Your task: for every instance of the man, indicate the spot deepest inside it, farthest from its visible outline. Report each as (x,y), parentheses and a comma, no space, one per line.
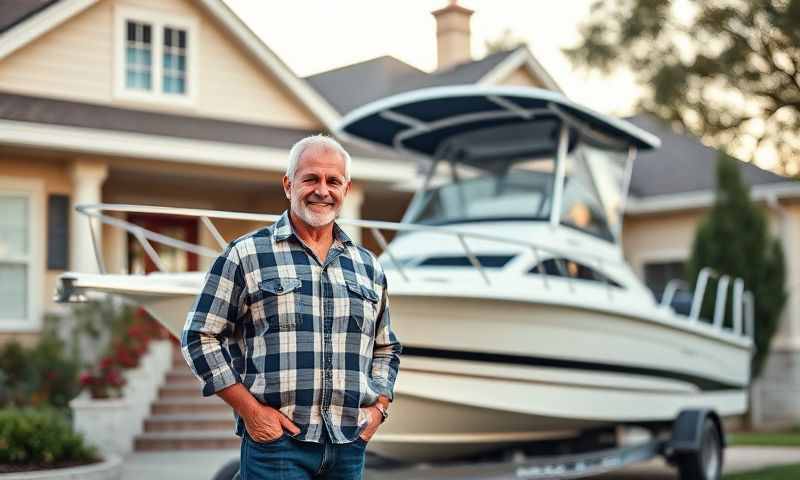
(292,330)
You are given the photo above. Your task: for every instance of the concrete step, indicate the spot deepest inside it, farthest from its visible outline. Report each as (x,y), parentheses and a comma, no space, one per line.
(189,405)
(198,439)
(178,422)
(180,376)
(180,390)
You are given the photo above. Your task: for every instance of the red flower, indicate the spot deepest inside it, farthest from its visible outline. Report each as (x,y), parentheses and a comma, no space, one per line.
(86,379)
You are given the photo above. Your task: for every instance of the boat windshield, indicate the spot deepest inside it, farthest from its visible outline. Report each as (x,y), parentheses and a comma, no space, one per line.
(594,184)
(501,173)
(513,190)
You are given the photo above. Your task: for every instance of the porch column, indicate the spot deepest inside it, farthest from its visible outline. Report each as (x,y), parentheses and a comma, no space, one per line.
(352,210)
(87,182)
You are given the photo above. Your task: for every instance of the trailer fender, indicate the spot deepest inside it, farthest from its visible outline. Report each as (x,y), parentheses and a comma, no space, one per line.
(687,430)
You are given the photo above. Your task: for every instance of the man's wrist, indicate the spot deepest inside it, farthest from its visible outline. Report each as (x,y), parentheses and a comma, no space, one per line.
(382,410)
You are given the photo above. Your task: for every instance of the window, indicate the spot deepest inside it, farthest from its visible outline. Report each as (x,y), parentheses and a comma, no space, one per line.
(155,56)
(561,267)
(658,275)
(174,76)
(21,245)
(138,57)
(486,261)
(14,256)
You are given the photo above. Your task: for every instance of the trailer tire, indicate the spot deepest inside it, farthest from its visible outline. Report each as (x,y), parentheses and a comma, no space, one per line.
(229,471)
(706,462)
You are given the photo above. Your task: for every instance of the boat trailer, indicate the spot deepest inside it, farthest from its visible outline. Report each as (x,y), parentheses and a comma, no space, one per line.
(693,443)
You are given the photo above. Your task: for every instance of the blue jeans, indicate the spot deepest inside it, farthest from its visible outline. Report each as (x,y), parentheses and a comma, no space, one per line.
(290,459)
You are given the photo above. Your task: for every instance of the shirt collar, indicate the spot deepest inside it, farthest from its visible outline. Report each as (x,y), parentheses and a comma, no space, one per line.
(284,230)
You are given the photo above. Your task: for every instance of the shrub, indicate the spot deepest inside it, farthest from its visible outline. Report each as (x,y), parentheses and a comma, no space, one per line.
(104,380)
(40,375)
(40,438)
(130,331)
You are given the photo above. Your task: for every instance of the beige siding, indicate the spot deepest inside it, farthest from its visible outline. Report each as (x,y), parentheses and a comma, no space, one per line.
(75,61)
(659,238)
(71,61)
(522,77)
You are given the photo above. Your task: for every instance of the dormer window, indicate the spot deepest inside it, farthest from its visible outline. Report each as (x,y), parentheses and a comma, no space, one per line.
(155,52)
(139,56)
(174,55)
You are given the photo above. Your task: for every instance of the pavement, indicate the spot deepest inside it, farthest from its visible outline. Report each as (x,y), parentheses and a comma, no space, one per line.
(203,464)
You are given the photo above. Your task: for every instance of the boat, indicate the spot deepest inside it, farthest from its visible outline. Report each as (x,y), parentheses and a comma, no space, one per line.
(520,319)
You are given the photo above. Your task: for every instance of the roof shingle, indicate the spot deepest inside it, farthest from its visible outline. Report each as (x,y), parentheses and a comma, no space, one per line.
(350,87)
(13,12)
(682,164)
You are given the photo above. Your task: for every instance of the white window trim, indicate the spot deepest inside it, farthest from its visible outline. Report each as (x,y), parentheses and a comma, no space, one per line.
(159,20)
(34,190)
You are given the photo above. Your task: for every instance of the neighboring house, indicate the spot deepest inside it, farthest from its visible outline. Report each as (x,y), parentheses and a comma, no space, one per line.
(178,103)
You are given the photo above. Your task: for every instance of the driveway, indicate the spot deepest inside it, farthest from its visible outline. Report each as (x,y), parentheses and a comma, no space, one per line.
(202,464)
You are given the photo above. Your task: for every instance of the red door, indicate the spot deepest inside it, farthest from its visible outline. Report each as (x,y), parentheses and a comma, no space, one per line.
(173,259)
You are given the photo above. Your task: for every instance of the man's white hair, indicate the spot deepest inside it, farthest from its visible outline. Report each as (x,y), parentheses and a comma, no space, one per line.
(321,142)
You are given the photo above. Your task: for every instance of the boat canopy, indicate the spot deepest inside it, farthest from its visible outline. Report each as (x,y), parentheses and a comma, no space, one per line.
(424,121)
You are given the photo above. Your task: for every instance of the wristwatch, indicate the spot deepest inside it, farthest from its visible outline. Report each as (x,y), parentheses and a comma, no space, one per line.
(383,410)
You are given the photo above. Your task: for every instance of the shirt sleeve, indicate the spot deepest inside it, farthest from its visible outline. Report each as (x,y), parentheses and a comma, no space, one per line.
(387,349)
(212,320)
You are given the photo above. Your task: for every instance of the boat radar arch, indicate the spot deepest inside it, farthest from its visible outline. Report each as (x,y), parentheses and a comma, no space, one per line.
(497,153)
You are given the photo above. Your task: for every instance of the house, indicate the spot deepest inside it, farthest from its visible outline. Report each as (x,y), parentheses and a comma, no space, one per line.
(178,103)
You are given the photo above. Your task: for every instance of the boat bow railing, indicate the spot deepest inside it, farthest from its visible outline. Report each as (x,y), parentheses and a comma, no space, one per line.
(100,213)
(742,300)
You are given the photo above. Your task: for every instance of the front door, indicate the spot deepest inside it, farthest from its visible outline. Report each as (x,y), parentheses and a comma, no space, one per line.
(173,259)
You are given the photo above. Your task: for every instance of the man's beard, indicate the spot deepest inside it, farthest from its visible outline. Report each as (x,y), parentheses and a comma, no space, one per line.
(310,217)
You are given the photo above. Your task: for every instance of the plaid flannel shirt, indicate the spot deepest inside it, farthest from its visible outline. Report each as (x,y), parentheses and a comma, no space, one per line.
(311,340)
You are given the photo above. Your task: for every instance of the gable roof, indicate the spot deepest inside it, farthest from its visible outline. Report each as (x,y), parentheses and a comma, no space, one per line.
(26,23)
(385,76)
(375,78)
(682,164)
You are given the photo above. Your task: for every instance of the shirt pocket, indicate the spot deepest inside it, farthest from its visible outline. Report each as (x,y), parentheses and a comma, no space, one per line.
(363,307)
(281,303)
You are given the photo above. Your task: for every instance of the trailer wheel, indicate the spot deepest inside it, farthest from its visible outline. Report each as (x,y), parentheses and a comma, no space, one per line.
(706,462)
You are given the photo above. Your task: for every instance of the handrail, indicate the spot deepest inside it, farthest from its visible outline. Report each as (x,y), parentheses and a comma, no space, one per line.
(699,292)
(671,289)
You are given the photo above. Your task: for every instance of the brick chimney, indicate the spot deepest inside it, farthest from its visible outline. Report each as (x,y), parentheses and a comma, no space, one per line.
(452,35)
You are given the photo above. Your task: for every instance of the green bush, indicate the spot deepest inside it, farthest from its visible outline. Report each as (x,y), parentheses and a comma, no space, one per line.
(40,437)
(43,375)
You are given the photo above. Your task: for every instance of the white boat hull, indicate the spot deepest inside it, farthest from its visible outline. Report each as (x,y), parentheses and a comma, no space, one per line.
(480,373)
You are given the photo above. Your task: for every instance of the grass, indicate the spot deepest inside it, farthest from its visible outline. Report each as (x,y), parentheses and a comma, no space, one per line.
(784,472)
(766,439)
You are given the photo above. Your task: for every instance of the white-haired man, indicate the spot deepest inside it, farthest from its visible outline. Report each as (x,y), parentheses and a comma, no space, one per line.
(292,330)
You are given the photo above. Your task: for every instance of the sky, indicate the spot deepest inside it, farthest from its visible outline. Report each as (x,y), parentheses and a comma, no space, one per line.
(312,36)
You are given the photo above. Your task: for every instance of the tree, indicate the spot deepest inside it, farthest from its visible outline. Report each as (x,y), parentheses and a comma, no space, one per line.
(734,240)
(727,71)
